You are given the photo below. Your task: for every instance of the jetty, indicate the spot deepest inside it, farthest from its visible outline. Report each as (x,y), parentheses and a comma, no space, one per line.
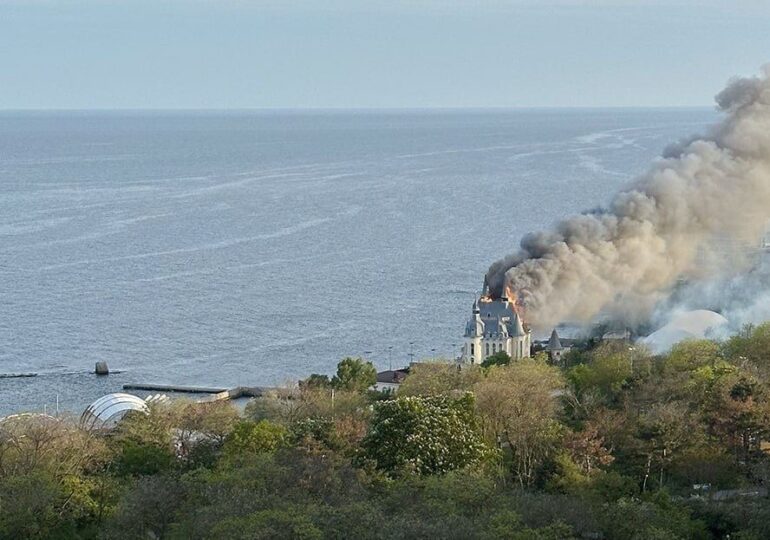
(215,393)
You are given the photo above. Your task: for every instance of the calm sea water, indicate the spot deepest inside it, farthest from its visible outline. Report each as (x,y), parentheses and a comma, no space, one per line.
(255,248)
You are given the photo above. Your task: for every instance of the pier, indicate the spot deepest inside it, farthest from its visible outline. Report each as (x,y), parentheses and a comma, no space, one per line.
(215,393)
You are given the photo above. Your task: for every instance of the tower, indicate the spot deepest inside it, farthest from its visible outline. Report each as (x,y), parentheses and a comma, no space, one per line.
(555,349)
(474,332)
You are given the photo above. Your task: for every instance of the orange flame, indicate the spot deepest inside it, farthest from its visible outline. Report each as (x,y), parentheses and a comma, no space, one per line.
(513,299)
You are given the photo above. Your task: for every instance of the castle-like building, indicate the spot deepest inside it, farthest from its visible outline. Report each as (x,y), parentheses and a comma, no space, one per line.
(495,326)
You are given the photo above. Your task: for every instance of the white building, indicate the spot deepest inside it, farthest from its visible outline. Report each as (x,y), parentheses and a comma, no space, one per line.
(495,326)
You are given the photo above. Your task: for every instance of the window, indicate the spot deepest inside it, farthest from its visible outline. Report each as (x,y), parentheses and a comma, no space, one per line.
(487,349)
(473,352)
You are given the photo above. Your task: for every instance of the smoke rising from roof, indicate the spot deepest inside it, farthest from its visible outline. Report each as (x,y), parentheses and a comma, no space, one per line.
(690,217)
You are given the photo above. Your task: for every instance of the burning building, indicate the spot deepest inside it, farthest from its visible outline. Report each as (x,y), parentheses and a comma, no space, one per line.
(495,326)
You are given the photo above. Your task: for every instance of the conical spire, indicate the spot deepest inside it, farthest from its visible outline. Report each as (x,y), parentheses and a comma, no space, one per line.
(485,289)
(554,344)
(518,328)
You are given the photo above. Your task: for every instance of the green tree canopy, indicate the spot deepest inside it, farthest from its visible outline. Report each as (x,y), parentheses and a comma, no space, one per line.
(440,379)
(254,438)
(692,354)
(354,374)
(424,435)
(518,406)
(500,358)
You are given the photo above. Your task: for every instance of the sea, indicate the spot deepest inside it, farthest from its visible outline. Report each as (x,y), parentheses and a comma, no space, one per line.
(254,248)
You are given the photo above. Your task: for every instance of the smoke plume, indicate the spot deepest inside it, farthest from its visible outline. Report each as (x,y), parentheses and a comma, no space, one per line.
(692,217)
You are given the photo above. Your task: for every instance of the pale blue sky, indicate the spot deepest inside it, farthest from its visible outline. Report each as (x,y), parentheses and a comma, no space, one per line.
(362,53)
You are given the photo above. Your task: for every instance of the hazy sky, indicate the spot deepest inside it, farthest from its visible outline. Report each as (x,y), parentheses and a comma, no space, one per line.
(362,53)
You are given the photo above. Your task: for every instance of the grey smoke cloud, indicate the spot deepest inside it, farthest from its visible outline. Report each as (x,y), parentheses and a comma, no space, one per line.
(691,216)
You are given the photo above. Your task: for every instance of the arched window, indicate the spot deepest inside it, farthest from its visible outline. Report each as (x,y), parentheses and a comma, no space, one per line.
(473,352)
(487,348)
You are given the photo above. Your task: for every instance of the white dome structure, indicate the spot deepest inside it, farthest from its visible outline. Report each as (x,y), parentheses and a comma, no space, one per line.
(696,324)
(107,411)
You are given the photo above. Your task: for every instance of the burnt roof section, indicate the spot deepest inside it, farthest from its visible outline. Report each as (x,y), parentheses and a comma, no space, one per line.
(495,318)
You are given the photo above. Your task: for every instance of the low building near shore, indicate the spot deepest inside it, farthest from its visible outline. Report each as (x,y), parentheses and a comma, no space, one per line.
(390,380)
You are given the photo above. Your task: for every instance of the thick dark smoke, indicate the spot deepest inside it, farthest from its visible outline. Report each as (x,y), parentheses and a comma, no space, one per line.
(692,217)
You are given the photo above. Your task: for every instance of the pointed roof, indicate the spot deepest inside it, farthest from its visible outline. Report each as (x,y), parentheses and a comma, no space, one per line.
(554,344)
(518,328)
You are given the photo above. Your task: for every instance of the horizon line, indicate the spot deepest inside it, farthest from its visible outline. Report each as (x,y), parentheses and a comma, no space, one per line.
(492,108)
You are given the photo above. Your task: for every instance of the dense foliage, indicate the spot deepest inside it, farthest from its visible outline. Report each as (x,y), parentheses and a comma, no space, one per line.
(613,444)
(424,435)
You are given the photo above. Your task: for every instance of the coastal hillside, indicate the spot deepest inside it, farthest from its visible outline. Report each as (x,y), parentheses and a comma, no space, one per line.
(613,442)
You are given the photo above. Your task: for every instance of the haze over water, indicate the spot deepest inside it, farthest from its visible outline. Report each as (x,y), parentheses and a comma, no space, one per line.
(254,248)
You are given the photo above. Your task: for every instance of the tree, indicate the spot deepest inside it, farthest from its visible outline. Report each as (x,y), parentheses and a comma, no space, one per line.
(664,431)
(148,509)
(248,438)
(430,435)
(34,443)
(586,448)
(316,430)
(440,379)
(269,525)
(606,374)
(143,444)
(752,344)
(32,506)
(692,354)
(201,430)
(142,458)
(316,381)
(500,358)
(737,410)
(518,407)
(47,476)
(354,374)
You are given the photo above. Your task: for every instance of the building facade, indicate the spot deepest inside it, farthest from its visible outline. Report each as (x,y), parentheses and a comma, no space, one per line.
(495,326)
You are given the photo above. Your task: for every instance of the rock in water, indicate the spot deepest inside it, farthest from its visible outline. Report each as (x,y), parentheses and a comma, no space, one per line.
(102,369)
